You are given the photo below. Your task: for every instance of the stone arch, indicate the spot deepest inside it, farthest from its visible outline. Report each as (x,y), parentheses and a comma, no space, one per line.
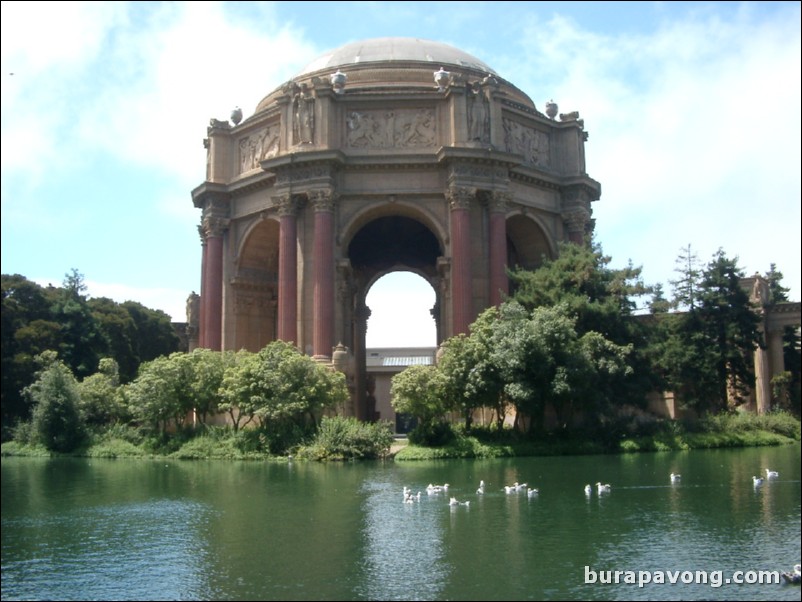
(254,286)
(527,242)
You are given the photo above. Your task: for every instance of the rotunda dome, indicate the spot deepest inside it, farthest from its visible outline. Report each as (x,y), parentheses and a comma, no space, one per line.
(382,50)
(392,64)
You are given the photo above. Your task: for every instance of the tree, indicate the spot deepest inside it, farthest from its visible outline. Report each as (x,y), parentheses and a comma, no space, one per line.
(100,401)
(56,422)
(472,380)
(777,292)
(418,391)
(279,384)
(160,394)
(81,342)
(706,352)
(686,287)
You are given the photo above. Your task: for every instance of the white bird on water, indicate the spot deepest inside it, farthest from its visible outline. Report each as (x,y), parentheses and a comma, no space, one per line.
(455,502)
(757,481)
(675,478)
(603,488)
(772,474)
(481,489)
(532,492)
(588,490)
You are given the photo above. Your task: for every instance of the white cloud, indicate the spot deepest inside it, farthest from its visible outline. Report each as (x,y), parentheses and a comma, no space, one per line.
(700,119)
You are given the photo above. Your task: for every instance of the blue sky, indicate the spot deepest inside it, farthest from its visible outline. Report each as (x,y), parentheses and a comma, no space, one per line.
(692,108)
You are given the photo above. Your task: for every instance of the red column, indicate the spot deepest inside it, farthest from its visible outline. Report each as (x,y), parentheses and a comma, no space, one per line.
(499,286)
(461,275)
(204,283)
(213,318)
(287,272)
(322,342)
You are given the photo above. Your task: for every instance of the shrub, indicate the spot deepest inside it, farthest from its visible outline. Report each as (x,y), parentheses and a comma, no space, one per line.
(435,434)
(346,438)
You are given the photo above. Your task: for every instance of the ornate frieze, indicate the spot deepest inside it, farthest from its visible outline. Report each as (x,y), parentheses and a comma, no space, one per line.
(403,128)
(294,175)
(258,146)
(529,142)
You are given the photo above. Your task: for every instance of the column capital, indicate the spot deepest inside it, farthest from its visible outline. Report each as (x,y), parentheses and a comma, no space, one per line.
(322,199)
(499,200)
(460,197)
(214,226)
(287,205)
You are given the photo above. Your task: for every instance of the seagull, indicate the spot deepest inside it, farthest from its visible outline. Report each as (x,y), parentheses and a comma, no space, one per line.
(675,478)
(757,481)
(588,490)
(772,474)
(603,488)
(455,502)
(481,489)
(532,492)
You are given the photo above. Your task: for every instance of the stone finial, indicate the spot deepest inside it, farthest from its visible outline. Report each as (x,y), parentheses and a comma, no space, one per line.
(551,109)
(236,115)
(338,81)
(442,79)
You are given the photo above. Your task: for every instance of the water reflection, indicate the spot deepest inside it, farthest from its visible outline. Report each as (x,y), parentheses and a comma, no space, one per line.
(403,550)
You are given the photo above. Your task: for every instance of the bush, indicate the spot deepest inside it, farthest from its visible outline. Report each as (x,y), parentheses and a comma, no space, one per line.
(346,438)
(435,434)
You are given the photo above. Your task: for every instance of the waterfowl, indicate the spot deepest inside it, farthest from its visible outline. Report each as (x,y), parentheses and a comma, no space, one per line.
(757,481)
(603,488)
(675,478)
(772,474)
(588,490)
(793,576)
(481,489)
(532,492)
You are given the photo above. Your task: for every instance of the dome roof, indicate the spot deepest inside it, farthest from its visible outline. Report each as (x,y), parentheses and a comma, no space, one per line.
(395,49)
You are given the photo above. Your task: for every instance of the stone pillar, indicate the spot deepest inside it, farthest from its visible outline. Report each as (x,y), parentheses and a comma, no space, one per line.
(776,352)
(213,314)
(361,315)
(323,203)
(287,269)
(499,287)
(461,273)
(762,381)
(204,276)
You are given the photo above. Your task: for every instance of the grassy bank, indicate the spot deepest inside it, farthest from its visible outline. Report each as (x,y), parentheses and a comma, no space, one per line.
(732,430)
(346,439)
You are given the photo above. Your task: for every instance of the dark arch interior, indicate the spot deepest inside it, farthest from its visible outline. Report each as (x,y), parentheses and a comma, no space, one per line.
(387,242)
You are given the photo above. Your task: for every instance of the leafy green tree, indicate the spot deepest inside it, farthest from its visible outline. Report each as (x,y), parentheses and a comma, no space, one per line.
(418,391)
(119,333)
(206,370)
(82,342)
(56,421)
(601,300)
(155,335)
(160,395)
(472,380)
(279,385)
(27,330)
(100,401)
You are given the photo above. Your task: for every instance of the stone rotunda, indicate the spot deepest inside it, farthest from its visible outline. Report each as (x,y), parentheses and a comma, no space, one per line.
(391,154)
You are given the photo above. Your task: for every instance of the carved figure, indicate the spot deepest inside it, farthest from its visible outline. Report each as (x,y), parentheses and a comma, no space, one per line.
(478,112)
(304,126)
(193,308)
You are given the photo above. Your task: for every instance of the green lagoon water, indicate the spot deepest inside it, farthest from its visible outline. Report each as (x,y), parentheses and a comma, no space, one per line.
(86,529)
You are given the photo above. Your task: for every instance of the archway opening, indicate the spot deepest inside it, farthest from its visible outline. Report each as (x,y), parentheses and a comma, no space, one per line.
(401,312)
